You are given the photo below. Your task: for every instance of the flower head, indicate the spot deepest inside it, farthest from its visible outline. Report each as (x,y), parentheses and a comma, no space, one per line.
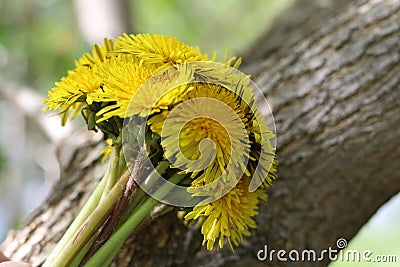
(208,112)
(71,91)
(230,217)
(122,77)
(158,50)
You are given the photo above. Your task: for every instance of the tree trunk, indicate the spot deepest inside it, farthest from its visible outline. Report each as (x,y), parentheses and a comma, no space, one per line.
(299,20)
(336,101)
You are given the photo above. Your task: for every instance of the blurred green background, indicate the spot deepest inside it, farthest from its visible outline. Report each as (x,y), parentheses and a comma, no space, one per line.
(39,41)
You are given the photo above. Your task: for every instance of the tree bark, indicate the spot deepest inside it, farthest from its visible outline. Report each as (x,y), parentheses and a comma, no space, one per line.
(336,101)
(299,20)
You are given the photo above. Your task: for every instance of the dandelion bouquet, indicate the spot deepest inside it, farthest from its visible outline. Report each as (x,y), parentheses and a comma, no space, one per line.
(182,129)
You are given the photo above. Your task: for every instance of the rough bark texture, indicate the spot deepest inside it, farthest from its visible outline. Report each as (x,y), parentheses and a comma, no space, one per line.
(336,101)
(298,21)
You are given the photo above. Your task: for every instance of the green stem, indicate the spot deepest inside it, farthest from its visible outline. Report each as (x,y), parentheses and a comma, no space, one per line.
(89,206)
(114,166)
(78,258)
(119,208)
(122,164)
(109,250)
(139,195)
(90,226)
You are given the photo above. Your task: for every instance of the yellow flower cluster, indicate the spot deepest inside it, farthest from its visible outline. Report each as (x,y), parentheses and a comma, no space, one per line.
(102,86)
(113,72)
(241,133)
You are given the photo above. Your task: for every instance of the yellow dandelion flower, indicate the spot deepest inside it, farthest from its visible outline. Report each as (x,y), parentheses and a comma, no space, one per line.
(209,112)
(158,49)
(230,217)
(71,91)
(160,92)
(123,76)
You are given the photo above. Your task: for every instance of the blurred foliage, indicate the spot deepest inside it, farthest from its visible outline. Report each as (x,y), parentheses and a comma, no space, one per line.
(38,40)
(2,162)
(212,25)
